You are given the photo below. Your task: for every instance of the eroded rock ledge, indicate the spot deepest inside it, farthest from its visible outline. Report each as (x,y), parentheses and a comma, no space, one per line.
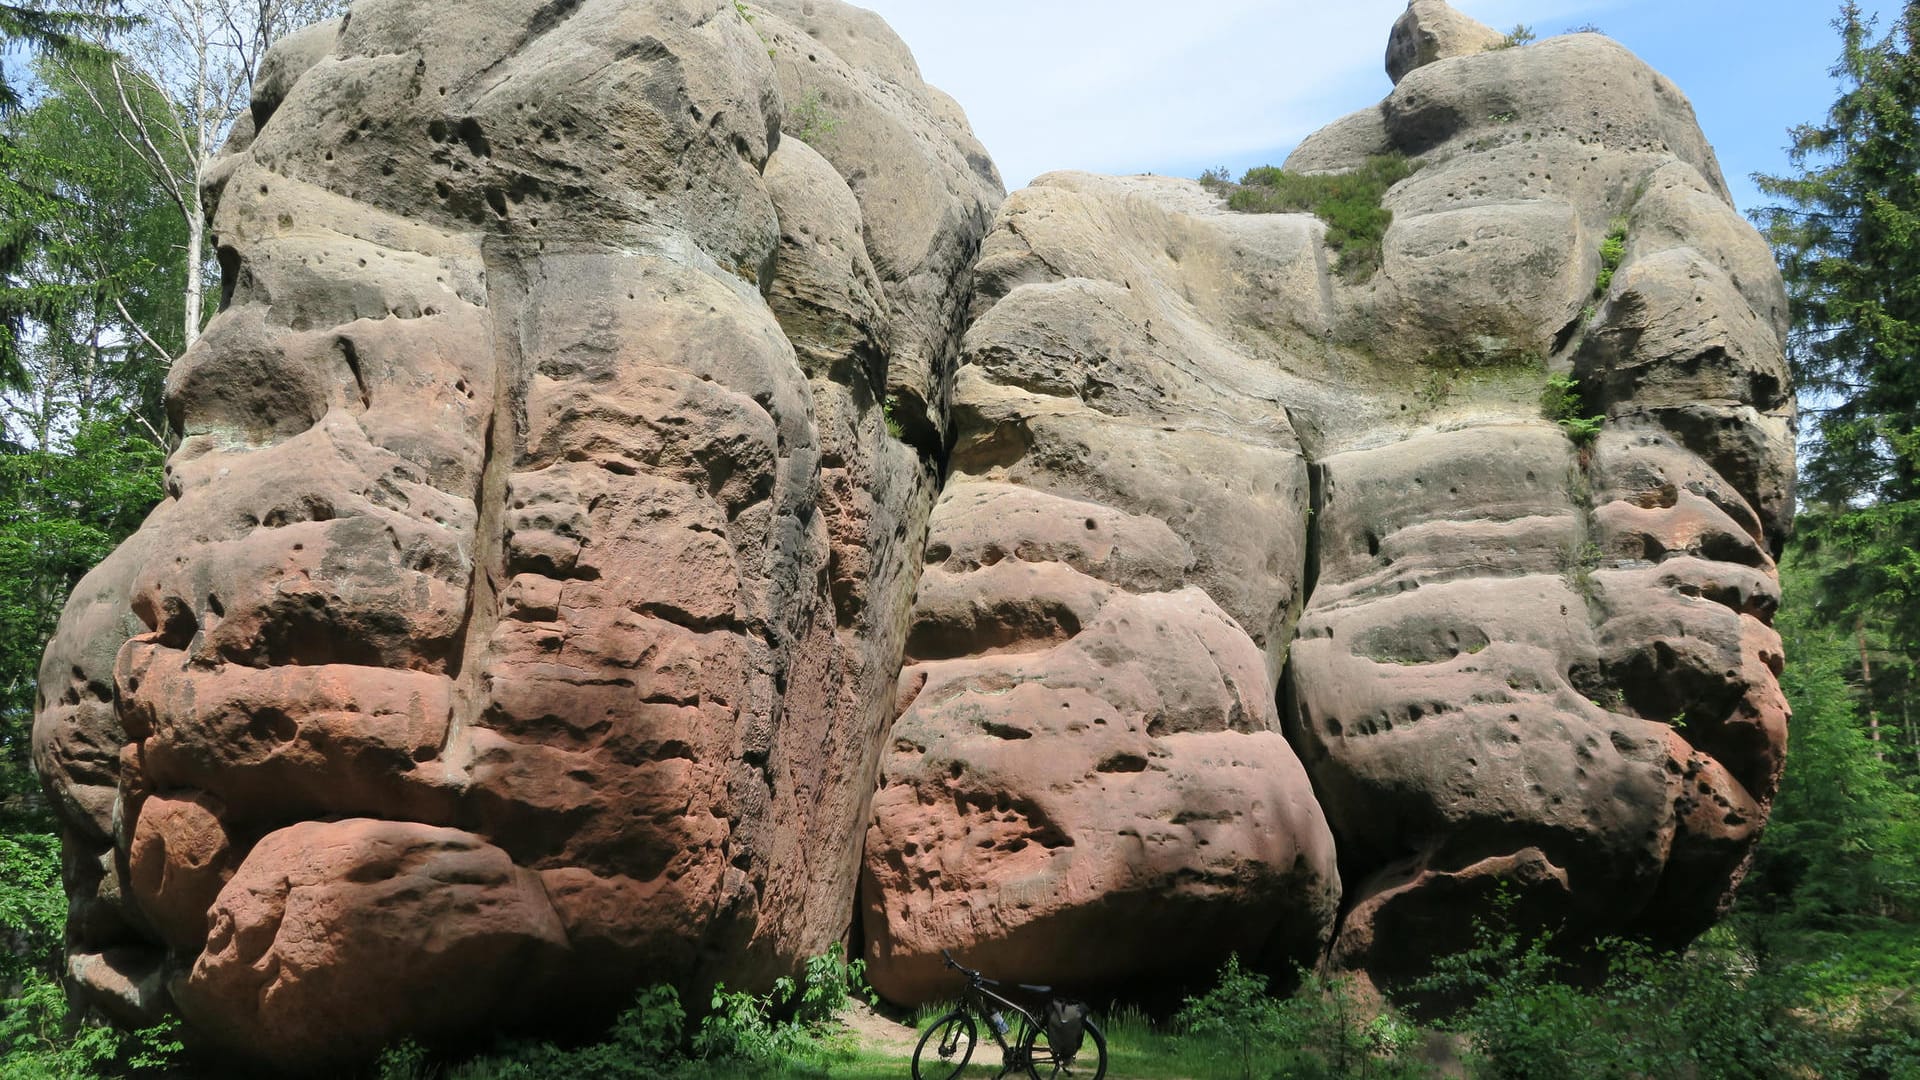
(558,589)
(1508,661)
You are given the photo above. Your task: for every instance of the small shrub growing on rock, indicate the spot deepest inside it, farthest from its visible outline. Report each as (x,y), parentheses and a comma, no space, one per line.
(1613,251)
(811,121)
(1521,34)
(1350,203)
(1560,403)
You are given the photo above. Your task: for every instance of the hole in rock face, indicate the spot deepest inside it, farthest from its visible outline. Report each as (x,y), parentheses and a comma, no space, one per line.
(476,142)
(272,725)
(229,260)
(1123,761)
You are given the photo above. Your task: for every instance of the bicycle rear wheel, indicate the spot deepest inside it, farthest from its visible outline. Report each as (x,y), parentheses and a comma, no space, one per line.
(945,1048)
(1088,1063)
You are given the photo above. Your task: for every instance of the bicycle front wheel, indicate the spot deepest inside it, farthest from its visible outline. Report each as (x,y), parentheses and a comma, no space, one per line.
(945,1047)
(1087,1063)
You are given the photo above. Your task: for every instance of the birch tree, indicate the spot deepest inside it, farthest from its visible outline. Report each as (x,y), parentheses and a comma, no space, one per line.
(198,58)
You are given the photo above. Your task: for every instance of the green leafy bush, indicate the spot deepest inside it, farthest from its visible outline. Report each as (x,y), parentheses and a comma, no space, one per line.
(1710,1013)
(1350,203)
(791,1021)
(810,119)
(1322,1030)
(1613,251)
(40,1038)
(1560,402)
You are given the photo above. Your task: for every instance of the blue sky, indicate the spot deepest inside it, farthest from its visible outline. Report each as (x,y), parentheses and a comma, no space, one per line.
(1150,86)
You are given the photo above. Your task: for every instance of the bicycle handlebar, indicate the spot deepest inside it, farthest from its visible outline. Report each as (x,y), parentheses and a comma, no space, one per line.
(967,971)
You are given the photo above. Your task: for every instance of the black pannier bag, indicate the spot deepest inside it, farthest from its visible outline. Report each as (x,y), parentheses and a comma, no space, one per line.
(1066,1027)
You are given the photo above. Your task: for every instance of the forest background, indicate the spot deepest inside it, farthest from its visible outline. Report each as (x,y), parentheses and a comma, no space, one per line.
(107,116)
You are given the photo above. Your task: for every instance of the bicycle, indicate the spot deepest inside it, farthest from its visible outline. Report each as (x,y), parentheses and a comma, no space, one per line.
(948,1043)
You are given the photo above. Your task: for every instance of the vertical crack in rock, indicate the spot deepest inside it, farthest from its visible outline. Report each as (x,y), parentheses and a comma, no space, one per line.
(1088,754)
(506,298)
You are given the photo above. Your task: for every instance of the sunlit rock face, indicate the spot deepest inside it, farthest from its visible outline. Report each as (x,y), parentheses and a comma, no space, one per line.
(522,620)
(648,511)
(1193,470)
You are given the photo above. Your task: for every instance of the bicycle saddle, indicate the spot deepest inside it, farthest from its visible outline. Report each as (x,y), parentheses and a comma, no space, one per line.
(1036,989)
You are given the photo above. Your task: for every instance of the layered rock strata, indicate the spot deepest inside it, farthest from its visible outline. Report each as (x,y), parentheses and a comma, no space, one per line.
(1511,661)
(522,619)
(1532,663)
(559,588)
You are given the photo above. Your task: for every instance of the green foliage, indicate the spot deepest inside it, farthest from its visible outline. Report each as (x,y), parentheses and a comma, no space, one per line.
(647,1040)
(1237,1012)
(45,30)
(39,1037)
(1561,403)
(1561,399)
(1583,430)
(90,275)
(1613,251)
(61,511)
(1578,561)
(1847,233)
(791,1021)
(1842,850)
(890,408)
(32,907)
(1711,1013)
(1350,203)
(404,1060)
(1521,34)
(790,1030)
(1322,1030)
(811,120)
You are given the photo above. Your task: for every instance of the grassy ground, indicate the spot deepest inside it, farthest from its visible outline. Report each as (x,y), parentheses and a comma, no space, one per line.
(883,1048)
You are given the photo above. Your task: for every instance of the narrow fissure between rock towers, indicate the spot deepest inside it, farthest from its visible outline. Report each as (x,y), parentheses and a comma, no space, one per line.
(506,302)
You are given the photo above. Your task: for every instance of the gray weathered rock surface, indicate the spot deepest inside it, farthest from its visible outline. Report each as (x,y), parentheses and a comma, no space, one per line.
(1432,30)
(534,565)
(647,501)
(1508,661)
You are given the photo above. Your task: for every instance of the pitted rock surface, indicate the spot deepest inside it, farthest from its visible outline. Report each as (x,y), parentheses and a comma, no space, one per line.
(522,621)
(1508,661)
(1432,30)
(647,500)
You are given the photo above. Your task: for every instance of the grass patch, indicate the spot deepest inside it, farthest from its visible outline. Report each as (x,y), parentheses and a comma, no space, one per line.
(1350,203)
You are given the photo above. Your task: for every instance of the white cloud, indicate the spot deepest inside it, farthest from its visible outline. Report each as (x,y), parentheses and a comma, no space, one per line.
(1145,85)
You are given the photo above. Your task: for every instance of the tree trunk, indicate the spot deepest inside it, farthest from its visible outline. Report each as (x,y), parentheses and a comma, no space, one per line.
(196,258)
(1866,687)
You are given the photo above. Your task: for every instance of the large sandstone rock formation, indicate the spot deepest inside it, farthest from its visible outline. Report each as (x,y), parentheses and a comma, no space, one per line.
(1508,661)
(559,588)
(523,617)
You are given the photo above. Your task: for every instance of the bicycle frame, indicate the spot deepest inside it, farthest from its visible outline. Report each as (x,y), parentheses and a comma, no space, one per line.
(985,1002)
(1019,1043)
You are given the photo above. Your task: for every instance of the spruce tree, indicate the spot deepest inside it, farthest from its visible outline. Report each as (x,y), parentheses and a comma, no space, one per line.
(1847,234)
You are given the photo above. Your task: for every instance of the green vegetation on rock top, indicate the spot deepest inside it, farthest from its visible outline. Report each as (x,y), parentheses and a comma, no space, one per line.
(1350,203)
